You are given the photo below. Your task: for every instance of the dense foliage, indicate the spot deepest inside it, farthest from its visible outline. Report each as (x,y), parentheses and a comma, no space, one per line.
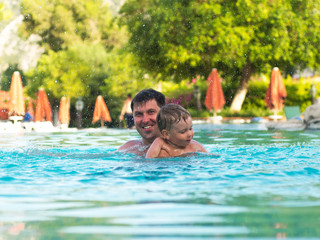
(76,72)
(5,14)
(298,94)
(240,38)
(84,55)
(164,44)
(62,23)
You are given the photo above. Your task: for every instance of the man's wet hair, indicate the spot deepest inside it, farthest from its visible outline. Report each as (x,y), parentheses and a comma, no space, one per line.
(146,95)
(171,114)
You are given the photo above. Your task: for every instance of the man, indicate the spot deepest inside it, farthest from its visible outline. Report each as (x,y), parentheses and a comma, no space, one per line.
(145,107)
(126,112)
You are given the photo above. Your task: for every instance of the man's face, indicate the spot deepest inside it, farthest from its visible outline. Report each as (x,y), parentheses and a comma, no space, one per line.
(145,120)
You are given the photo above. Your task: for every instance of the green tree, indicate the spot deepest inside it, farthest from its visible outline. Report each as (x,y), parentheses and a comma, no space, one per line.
(76,72)
(62,23)
(85,53)
(125,76)
(86,70)
(239,37)
(80,38)
(5,13)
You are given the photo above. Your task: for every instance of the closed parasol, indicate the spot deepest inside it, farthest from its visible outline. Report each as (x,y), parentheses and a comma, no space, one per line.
(16,104)
(214,97)
(101,111)
(64,110)
(276,93)
(43,107)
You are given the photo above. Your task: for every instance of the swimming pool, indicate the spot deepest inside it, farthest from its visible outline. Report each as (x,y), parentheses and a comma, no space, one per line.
(264,185)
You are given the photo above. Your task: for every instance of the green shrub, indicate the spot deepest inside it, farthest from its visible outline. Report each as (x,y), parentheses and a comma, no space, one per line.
(298,94)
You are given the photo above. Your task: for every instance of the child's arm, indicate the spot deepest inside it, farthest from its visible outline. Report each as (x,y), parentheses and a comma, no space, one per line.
(155,148)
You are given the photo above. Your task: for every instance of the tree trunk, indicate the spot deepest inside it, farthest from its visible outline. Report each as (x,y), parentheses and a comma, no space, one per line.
(242,89)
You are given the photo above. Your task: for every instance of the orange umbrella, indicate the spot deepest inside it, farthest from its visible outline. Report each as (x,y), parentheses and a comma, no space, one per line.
(64,110)
(16,105)
(101,111)
(214,97)
(43,107)
(276,93)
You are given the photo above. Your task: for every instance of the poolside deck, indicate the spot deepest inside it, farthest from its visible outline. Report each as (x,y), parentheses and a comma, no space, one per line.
(237,120)
(7,126)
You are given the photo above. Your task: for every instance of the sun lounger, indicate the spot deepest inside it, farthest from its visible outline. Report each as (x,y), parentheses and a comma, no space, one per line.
(292,112)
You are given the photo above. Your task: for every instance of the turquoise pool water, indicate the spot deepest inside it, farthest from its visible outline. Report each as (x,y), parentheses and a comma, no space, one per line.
(263,185)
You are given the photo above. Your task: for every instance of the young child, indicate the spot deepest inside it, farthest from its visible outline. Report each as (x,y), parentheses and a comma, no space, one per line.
(175,125)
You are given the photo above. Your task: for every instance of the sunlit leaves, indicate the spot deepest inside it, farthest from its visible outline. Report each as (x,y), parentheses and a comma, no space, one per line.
(5,13)
(182,38)
(72,73)
(61,23)
(125,75)
(80,38)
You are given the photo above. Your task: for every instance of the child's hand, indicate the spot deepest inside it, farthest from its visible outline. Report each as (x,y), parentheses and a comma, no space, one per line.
(155,148)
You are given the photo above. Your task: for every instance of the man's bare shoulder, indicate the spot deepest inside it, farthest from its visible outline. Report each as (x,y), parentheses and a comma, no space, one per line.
(197,147)
(134,146)
(129,144)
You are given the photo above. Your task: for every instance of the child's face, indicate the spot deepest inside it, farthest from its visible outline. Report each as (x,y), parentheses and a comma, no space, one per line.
(181,133)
